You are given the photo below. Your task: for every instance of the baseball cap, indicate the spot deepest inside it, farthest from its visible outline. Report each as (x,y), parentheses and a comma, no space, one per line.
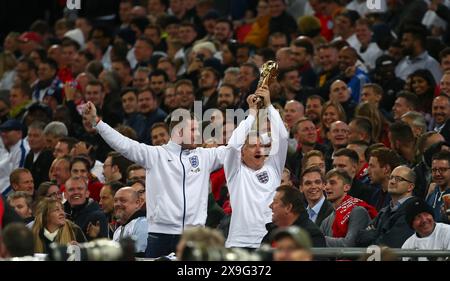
(11,125)
(30,36)
(384,60)
(300,236)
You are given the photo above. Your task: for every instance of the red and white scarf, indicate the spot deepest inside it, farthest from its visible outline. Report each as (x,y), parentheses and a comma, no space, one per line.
(342,213)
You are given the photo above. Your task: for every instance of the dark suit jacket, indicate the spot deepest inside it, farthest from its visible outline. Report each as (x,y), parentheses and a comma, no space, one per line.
(361,191)
(39,169)
(325,211)
(445,132)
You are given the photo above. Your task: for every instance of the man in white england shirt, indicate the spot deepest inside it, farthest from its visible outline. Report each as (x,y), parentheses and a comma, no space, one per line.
(253,168)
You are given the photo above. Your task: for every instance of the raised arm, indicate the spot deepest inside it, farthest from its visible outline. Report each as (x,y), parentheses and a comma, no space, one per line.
(139,153)
(239,136)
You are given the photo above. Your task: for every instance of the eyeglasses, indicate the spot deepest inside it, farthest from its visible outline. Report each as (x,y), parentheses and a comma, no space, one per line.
(54,194)
(398,179)
(440,170)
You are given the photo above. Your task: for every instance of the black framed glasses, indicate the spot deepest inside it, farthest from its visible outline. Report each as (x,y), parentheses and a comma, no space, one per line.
(441,170)
(398,179)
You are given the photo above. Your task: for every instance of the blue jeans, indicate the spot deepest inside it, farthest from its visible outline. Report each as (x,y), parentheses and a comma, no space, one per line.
(160,244)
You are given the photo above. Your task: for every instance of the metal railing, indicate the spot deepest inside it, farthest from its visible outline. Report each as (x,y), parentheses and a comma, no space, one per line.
(359,252)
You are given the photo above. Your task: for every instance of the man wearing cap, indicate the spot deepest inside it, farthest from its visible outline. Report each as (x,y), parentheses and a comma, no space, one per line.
(11,136)
(428,235)
(253,167)
(384,75)
(292,244)
(29,41)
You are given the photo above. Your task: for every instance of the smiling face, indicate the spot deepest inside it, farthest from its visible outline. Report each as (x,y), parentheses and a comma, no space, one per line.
(126,203)
(76,192)
(441,110)
(312,187)
(329,116)
(423,224)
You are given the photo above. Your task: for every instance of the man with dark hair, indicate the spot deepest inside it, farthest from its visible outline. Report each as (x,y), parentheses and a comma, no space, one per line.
(444,59)
(417,57)
(406,101)
(158,81)
(440,171)
(17,241)
(403,141)
(277,40)
(208,81)
(360,130)
(345,24)
(287,210)
(347,160)
(48,83)
(381,163)
(302,51)
(328,59)
(123,68)
(280,20)
(247,82)
(184,90)
(223,30)
(64,147)
(132,117)
(26,70)
(228,96)
(389,228)
(39,159)
(107,204)
(115,167)
(148,107)
(313,109)
(105,103)
(143,51)
(312,185)
(160,133)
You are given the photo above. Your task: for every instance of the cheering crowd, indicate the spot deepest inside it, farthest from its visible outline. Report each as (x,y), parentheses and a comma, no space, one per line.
(151,120)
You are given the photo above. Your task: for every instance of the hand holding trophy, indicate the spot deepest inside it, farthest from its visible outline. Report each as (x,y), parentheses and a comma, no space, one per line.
(269,72)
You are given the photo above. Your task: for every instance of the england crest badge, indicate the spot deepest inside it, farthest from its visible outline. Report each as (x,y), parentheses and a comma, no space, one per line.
(194,161)
(263,177)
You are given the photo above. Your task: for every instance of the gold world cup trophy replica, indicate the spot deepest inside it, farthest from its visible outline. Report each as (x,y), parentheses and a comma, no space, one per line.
(268,73)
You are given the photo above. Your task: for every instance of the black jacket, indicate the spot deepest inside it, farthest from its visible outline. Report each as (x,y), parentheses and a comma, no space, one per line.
(39,169)
(324,212)
(360,191)
(89,212)
(390,229)
(317,238)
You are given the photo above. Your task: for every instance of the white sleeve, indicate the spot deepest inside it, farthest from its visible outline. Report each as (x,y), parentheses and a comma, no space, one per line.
(139,153)
(239,136)
(232,159)
(140,234)
(280,137)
